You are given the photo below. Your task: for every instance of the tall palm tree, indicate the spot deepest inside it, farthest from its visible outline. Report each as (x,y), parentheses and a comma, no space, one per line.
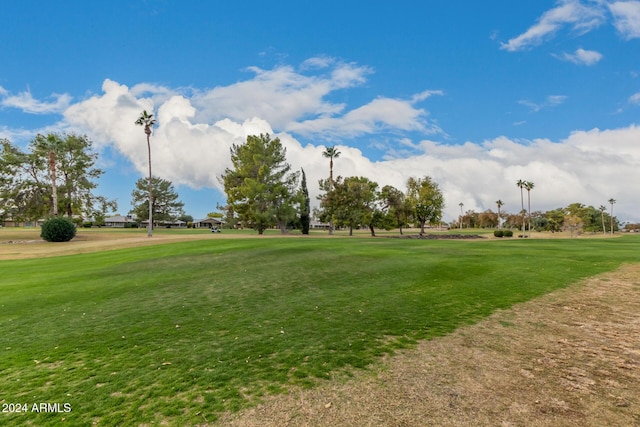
(602,209)
(331,153)
(529,186)
(500,204)
(520,183)
(612,201)
(148,121)
(461,205)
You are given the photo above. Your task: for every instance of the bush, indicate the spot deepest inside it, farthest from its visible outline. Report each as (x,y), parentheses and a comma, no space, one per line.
(58,230)
(87,224)
(498,233)
(507,233)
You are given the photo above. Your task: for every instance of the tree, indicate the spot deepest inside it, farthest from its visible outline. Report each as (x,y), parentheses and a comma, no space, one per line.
(602,209)
(165,203)
(331,153)
(529,186)
(305,205)
(500,204)
(461,206)
(147,121)
(426,200)
(57,174)
(612,201)
(351,202)
(520,183)
(573,224)
(396,205)
(51,142)
(260,187)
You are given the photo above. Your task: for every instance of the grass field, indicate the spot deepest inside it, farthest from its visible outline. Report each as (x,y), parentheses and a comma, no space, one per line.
(178,333)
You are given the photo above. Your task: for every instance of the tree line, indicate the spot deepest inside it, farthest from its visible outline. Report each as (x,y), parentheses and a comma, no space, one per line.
(263,192)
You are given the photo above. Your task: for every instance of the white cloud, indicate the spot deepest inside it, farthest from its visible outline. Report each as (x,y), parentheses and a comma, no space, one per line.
(280,96)
(626,16)
(635,98)
(27,103)
(550,101)
(581,57)
(587,167)
(582,18)
(378,115)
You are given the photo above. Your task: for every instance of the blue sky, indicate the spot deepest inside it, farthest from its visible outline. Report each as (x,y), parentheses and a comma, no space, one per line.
(475,94)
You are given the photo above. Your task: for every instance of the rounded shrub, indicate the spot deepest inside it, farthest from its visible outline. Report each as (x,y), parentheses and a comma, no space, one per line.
(498,233)
(58,230)
(507,233)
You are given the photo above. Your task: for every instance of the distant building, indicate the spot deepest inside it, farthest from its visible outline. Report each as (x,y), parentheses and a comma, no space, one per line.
(208,223)
(119,221)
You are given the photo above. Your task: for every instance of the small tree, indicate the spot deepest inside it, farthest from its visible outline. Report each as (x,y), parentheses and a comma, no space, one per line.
(426,199)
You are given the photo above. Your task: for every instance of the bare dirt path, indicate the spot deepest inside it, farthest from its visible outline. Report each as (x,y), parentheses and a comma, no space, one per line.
(570,358)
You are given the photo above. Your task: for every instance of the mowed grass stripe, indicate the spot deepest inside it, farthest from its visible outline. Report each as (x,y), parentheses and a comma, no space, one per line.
(180,332)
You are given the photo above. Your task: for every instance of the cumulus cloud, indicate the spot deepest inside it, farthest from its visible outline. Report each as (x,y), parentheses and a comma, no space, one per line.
(626,18)
(191,142)
(580,17)
(635,98)
(581,57)
(26,102)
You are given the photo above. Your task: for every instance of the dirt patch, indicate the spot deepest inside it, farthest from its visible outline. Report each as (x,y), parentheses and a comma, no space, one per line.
(26,243)
(570,358)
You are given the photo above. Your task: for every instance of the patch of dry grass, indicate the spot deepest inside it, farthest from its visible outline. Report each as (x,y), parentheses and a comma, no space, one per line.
(570,358)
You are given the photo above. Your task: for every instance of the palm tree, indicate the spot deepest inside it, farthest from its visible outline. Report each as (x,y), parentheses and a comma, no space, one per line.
(331,153)
(500,204)
(148,121)
(529,186)
(521,184)
(461,205)
(612,201)
(602,209)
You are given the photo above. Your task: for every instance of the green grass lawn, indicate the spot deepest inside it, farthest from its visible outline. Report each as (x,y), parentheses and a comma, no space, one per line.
(178,333)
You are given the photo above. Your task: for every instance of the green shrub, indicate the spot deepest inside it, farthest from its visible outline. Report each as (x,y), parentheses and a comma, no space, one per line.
(507,233)
(87,224)
(58,230)
(498,233)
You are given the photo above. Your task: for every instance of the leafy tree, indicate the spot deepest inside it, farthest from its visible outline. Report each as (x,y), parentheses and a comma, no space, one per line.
(573,224)
(396,205)
(147,121)
(487,219)
(305,205)
(353,201)
(260,188)
(57,173)
(165,203)
(426,200)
